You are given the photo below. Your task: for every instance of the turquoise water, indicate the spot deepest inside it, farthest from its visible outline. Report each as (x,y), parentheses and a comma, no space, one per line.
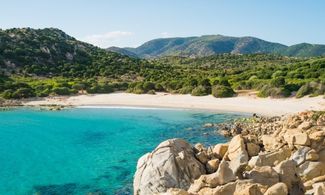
(88,150)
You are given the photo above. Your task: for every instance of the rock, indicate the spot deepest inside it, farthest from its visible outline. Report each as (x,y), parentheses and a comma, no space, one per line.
(208,125)
(319,188)
(270,142)
(321,155)
(317,136)
(308,185)
(220,150)
(297,139)
(252,149)
(212,165)
(225,133)
(309,170)
(223,175)
(277,189)
(175,191)
(265,175)
(240,187)
(199,147)
(305,125)
(288,174)
(237,148)
(270,158)
(300,155)
(171,165)
(293,122)
(321,120)
(202,157)
(312,155)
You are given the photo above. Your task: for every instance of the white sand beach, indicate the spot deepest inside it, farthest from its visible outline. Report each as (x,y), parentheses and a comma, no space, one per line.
(246,104)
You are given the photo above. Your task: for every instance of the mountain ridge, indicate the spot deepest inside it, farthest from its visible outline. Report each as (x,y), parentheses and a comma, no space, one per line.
(206,45)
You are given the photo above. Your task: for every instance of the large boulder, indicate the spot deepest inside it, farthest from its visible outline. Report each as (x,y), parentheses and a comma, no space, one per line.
(212,165)
(270,142)
(309,170)
(223,175)
(171,165)
(239,187)
(265,175)
(220,150)
(237,148)
(297,138)
(175,191)
(277,189)
(300,155)
(270,158)
(287,171)
(252,149)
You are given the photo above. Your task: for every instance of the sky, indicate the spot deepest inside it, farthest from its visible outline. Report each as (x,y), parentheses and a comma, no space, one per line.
(129,23)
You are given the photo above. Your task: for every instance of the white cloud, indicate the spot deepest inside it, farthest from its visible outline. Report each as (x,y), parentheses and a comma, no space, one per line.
(165,34)
(108,39)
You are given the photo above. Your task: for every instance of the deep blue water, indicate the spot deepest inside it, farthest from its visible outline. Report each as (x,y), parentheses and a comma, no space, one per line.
(84,150)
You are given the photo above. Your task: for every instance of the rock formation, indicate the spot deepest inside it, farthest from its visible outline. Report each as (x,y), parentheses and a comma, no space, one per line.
(272,156)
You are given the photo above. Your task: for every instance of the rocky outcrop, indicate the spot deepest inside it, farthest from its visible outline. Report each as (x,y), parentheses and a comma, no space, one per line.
(271,156)
(171,165)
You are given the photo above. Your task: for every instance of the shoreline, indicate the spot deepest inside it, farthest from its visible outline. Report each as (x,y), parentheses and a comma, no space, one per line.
(242,104)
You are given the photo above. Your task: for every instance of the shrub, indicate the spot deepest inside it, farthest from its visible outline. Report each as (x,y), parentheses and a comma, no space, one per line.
(23,93)
(185,90)
(278,82)
(148,86)
(152,92)
(61,91)
(275,92)
(304,90)
(7,94)
(200,91)
(222,91)
(224,82)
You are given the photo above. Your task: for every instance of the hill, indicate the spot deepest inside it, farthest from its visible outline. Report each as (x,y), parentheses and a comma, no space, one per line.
(51,52)
(45,62)
(218,44)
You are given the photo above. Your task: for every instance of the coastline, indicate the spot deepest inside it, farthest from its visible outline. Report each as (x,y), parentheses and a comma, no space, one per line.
(242,103)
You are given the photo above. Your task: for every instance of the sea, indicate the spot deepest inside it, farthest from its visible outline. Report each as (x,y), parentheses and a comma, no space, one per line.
(90,150)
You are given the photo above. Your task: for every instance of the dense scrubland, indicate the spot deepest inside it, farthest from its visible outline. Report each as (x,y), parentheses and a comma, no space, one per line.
(46,62)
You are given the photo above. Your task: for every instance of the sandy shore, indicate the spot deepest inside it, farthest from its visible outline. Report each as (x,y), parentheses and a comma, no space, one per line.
(247,104)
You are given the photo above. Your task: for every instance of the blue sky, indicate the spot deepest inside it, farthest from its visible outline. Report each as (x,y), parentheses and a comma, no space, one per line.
(132,22)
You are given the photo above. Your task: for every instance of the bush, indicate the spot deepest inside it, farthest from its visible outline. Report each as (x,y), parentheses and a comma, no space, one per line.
(23,93)
(7,94)
(222,91)
(275,92)
(278,82)
(224,82)
(148,86)
(304,90)
(185,90)
(200,91)
(152,92)
(61,91)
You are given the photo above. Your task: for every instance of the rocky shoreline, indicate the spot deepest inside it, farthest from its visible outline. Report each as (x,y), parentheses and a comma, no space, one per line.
(266,155)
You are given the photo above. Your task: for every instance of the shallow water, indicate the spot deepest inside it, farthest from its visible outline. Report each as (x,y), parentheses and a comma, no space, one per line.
(84,150)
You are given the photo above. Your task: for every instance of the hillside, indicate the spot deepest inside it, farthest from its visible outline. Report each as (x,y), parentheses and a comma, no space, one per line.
(51,52)
(218,44)
(122,51)
(46,62)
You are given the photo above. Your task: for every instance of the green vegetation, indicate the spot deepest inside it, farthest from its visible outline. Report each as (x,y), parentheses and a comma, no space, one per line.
(220,91)
(217,44)
(40,63)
